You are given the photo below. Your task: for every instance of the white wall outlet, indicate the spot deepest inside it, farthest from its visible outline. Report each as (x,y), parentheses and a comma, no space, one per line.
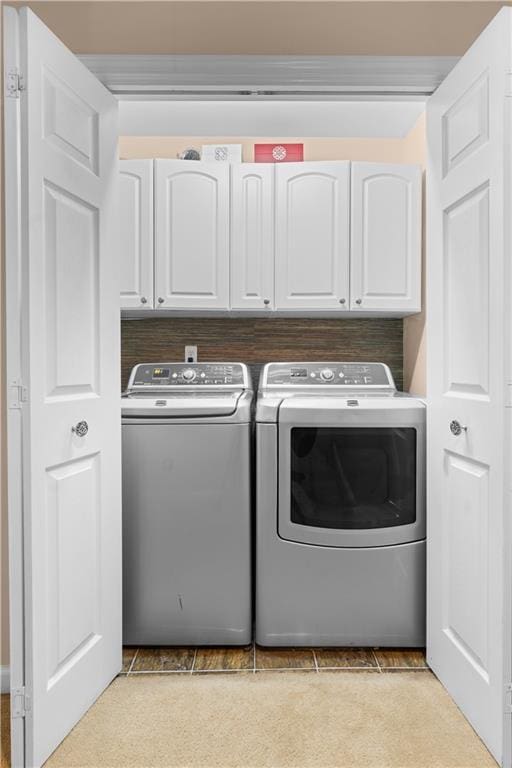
(191,354)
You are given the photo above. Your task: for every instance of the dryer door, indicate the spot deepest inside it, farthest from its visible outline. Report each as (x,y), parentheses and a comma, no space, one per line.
(351,472)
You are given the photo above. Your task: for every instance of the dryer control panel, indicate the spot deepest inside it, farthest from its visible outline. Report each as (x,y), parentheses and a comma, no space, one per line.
(344,375)
(175,375)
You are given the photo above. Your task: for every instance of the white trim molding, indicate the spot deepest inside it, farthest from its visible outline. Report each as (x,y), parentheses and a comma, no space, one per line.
(266,77)
(5,679)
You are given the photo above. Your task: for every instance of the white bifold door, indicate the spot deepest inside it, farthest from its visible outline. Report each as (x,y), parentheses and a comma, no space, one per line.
(63,128)
(469,383)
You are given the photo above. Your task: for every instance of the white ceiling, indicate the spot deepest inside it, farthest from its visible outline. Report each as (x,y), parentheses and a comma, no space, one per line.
(333,119)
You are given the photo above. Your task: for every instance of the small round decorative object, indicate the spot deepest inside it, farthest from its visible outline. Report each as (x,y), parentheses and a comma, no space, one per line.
(279,153)
(189,154)
(80,429)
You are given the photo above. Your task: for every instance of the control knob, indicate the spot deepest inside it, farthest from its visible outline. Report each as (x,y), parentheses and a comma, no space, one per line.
(326,374)
(189,374)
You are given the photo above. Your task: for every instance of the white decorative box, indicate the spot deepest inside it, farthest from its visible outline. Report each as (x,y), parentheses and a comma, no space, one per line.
(225,153)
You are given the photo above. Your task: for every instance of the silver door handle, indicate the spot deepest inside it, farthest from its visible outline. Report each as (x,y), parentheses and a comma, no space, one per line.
(456,428)
(80,429)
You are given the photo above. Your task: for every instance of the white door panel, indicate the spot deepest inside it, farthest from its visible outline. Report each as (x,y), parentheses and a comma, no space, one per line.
(70,322)
(312,235)
(385,256)
(191,234)
(136,233)
(252,236)
(468,337)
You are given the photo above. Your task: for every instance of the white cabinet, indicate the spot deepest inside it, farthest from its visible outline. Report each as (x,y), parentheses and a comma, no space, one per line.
(136,233)
(191,235)
(385,254)
(312,236)
(331,237)
(252,236)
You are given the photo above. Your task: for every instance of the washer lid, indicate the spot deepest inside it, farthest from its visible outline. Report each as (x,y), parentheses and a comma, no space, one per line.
(165,405)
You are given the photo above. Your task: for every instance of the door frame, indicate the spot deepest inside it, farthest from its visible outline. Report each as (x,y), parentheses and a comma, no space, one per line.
(178,76)
(15,331)
(14,343)
(507,533)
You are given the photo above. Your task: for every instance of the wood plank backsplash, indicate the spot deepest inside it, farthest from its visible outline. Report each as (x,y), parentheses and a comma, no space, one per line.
(256,341)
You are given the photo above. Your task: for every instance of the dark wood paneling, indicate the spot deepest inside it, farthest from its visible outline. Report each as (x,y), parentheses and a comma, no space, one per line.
(256,341)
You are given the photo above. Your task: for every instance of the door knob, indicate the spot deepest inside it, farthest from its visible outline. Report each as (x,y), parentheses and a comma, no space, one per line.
(359,301)
(80,429)
(342,301)
(456,428)
(143,300)
(266,302)
(160,300)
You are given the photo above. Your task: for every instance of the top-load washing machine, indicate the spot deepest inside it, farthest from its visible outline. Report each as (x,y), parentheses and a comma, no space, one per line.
(186,452)
(340,507)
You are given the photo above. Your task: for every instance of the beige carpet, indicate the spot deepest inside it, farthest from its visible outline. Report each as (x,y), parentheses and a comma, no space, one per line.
(274,719)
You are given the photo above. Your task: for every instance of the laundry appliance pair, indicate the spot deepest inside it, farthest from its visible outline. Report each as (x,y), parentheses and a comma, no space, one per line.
(339,507)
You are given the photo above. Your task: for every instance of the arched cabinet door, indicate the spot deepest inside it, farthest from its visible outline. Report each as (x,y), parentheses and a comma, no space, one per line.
(312,236)
(385,255)
(136,233)
(191,235)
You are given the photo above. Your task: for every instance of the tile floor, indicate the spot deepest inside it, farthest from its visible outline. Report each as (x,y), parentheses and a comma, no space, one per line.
(253,658)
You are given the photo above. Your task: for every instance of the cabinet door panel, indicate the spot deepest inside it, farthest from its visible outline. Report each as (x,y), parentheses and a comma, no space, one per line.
(385,260)
(191,234)
(252,236)
(136,233)
(312,235)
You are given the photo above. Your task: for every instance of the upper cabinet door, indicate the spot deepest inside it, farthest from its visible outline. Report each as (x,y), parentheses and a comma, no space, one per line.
(385,263)
(312,235)
(191,234)
(136,233)
(252,236)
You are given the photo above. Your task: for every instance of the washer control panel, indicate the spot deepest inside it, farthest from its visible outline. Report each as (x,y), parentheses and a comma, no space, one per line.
(174,375)
(355,375)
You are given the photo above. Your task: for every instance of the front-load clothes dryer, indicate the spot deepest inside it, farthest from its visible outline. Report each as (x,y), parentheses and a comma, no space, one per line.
(340,507)
(186,439)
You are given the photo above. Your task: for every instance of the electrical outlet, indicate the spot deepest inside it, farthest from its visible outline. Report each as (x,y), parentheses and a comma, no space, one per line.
(191,354)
